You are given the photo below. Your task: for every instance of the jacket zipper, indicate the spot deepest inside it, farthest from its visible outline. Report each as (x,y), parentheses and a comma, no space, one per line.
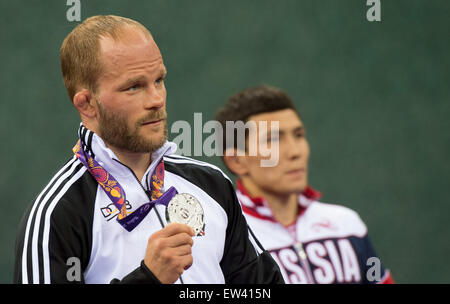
(304,261)
(147,192)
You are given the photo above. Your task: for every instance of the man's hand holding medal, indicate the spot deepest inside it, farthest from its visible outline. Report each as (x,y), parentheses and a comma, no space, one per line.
(169,252)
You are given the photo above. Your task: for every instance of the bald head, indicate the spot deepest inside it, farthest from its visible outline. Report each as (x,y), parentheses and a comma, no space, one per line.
(82,50)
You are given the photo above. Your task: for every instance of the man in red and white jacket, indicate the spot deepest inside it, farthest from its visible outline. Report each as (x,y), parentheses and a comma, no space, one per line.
(312,242)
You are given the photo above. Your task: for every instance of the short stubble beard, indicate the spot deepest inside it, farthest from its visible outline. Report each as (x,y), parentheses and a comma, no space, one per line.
(114,131)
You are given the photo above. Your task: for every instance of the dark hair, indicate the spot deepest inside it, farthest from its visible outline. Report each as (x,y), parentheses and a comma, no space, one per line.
(252,101)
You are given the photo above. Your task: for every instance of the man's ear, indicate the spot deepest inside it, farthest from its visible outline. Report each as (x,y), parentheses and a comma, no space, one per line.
(236,164)
(85,104)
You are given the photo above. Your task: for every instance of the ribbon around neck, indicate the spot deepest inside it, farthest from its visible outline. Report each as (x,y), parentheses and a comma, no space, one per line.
(116,193)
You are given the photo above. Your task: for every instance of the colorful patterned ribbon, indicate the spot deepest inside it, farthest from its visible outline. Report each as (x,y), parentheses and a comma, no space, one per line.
(157,181)
(116,193)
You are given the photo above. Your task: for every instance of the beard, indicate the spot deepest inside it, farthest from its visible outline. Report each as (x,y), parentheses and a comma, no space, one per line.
(114,130)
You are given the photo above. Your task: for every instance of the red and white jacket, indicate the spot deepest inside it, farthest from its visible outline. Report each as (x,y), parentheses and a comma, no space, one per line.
(327,244)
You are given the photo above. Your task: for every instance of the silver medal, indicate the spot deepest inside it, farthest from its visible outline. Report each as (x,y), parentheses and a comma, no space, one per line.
(184,208)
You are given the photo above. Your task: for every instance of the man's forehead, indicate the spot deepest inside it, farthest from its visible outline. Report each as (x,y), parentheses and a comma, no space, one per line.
(132,45)
(285,117)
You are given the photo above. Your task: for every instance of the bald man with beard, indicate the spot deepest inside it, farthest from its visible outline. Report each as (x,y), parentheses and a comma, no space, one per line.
(125,208)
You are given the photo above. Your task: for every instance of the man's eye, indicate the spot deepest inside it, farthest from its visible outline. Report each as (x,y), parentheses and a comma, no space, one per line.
(132,88)
(299,134)
(159,80)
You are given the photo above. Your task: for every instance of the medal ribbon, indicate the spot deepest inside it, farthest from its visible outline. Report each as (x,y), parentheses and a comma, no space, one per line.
(116,193)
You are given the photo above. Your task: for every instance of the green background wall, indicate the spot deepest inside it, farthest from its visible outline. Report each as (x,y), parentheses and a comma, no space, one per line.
(373,95)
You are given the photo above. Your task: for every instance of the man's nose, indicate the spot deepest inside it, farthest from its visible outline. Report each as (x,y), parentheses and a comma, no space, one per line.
(155,98)
(293,148)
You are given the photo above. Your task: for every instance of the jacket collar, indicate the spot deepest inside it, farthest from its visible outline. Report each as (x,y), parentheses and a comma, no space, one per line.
(96,147)
(258,206)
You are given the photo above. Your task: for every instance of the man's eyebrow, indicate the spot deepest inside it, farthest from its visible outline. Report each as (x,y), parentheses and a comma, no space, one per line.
(296,129)
(133,80)
(139,78)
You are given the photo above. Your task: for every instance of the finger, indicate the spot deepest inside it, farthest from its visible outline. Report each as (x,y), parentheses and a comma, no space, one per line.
(176,228)
(179,240)
(182,251)
(186,262)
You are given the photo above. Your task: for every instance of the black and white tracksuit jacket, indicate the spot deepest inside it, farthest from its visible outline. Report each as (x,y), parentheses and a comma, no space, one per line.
(73,218)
